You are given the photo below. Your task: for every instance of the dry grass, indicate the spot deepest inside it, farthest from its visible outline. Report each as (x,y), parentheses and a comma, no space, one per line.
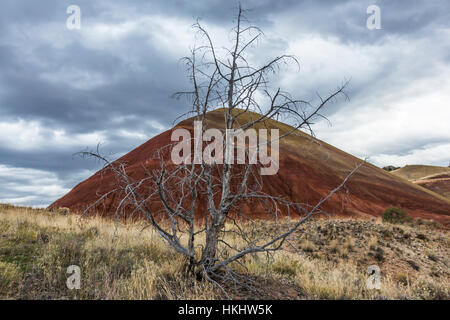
(127,261)
(117,261)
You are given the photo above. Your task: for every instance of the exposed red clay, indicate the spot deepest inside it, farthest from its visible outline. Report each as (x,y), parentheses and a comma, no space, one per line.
(309,170)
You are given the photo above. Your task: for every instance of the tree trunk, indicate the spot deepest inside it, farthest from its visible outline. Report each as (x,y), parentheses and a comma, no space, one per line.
(209,255)
(210,251)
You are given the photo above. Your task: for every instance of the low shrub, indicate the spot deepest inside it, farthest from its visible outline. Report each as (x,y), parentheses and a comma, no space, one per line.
(63,211)
(396,215)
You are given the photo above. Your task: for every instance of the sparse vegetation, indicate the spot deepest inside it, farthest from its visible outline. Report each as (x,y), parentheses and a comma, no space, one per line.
(127,261)
(373,241)
(307,245)
(402,278)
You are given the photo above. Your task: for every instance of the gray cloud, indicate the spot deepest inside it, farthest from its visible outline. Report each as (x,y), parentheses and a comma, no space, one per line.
(62,91)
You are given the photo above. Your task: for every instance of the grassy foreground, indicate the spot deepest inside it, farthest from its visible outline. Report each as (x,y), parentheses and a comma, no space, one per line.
(326,259)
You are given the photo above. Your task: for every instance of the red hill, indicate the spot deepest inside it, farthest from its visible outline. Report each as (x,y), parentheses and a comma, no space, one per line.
(309,170)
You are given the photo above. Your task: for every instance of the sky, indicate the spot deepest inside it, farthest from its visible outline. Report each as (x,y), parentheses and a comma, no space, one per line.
(63,90)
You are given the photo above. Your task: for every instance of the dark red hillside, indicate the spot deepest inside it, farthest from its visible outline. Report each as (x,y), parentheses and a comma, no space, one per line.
(309,169)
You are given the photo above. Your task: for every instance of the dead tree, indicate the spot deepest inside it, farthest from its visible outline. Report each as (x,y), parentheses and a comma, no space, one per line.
(196,205)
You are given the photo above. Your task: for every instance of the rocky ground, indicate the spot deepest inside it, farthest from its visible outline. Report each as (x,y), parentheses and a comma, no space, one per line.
(400,250)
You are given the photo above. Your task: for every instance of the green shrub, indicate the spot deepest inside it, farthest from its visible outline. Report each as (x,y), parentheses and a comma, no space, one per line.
(396,215)
(63,211)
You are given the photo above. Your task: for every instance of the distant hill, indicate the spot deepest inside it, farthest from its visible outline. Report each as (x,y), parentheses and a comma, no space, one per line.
(309,170)
(416,172)
(436,179)
(439,183)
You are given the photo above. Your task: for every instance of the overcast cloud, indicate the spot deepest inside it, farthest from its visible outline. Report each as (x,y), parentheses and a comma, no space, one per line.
(63,90)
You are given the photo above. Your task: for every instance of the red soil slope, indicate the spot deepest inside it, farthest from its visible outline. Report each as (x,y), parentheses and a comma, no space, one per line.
(439,183)
(309,170)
